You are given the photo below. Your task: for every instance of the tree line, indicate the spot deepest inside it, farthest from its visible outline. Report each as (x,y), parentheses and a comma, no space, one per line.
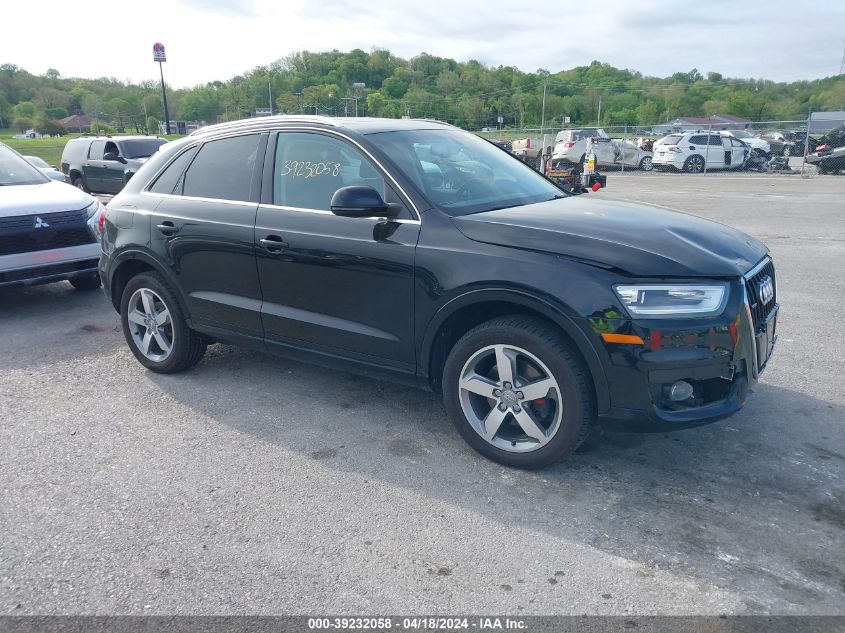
(377,83)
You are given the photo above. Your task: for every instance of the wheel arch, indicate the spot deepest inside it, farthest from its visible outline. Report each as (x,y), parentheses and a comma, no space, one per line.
(131,263)
(474,307)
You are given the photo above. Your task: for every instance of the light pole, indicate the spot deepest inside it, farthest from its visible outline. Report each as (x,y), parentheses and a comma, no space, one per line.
(160,56)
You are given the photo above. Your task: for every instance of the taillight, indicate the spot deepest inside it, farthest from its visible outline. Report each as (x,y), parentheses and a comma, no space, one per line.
(568,145)
(672,148)
(821,148)
(101,223)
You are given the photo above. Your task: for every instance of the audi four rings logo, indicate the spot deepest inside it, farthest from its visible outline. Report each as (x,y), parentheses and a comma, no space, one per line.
(40,224)
(767,290)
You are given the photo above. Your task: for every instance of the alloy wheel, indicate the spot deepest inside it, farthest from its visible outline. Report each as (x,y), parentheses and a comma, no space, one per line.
(150,325)
(645,164)
(510,398)
(695,165)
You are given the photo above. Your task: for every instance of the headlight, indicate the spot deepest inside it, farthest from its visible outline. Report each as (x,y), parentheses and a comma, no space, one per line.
(673,301)
(92,208)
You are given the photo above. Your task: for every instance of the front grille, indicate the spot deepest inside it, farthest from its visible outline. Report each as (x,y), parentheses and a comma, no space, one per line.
(760,309)
(28,233)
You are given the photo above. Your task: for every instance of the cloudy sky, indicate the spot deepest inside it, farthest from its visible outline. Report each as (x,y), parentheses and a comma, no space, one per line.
(217,39)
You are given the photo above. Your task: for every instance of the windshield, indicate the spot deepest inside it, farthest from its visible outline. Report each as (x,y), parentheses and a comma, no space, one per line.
(14,170)
(37,162)
(673,139)
(742,134)
(462,173)
(141,148)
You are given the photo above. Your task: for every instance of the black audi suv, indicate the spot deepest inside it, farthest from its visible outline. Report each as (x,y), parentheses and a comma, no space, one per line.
(413,251)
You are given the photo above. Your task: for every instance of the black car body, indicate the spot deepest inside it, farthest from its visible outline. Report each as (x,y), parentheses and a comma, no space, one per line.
(443,263)
(104,164)
(789,142)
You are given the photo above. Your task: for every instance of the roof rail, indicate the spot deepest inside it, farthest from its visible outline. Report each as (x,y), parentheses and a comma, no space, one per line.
(264,120)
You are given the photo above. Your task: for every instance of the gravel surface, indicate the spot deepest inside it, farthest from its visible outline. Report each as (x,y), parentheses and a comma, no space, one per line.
(259,485)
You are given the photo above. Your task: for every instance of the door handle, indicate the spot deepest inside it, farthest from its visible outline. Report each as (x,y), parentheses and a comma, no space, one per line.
(167,228)
(273,243)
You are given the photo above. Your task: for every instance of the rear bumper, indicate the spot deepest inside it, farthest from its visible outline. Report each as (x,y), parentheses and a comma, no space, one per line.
(48,266)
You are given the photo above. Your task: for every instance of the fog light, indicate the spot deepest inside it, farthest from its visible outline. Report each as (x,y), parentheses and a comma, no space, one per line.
(680,390)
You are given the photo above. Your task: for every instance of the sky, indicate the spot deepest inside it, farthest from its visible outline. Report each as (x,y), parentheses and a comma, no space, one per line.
(210,40)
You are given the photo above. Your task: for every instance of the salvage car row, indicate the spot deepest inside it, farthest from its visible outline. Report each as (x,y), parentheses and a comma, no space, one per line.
(691,152)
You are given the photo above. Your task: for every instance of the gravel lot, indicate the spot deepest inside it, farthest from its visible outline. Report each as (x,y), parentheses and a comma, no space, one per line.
(259,485)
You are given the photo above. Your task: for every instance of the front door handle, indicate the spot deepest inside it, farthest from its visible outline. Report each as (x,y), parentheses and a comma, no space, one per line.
(273,243)
(167,228)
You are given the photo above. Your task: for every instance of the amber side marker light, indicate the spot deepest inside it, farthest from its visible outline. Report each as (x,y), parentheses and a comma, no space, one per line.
(628,339)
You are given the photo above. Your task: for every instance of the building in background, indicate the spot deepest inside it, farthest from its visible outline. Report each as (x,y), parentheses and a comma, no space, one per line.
(823,122)
(77,123)
(715,122)
(180,127)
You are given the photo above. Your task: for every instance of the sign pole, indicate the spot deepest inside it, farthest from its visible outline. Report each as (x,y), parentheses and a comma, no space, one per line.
(164,98)
(160,56)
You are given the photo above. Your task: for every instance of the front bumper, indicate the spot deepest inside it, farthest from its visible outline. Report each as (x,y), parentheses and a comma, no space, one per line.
(721,358)
(39,267)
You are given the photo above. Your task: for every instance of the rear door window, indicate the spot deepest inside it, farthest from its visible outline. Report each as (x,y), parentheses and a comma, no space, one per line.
(223,170)
(172,175)
(698,140)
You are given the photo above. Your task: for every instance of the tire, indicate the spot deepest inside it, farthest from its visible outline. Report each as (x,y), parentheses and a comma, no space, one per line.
(77,182)
(694,164)
(645,164)
(89,282)
(542,358)
(186,347)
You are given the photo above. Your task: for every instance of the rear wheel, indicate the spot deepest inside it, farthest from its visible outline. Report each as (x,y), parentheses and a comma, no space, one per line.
(694,165)
(77,182)
(645,163)
(89,282)
(155,327)
(517,393)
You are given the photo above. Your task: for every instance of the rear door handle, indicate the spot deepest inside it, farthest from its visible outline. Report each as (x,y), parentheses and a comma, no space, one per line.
(167,228)
(273,243)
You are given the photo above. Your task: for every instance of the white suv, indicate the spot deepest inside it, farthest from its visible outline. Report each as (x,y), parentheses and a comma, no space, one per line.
(759,145)
(691,151)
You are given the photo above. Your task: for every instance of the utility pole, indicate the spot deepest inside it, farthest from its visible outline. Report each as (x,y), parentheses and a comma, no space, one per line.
(842,65)
(543,115)
(270,92)
(159,56)
(598,124)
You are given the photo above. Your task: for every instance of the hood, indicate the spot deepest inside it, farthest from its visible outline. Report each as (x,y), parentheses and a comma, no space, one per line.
(49,197)
(137,161)
(639,239)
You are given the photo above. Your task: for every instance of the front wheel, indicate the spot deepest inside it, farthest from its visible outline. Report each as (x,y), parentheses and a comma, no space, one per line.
(645,163)
(517,392)
(155,327)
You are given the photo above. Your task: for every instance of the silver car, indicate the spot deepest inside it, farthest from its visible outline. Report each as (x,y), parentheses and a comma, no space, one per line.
(49,231)
(570,148)
(48,170)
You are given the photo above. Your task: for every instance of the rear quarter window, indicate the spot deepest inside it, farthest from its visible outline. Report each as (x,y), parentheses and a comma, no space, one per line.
(75,150)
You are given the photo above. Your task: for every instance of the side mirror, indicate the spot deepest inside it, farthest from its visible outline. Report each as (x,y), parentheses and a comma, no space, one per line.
(361,202)
(112,156)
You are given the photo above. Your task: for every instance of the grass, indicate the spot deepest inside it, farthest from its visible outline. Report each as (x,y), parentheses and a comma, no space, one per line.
(49,149)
